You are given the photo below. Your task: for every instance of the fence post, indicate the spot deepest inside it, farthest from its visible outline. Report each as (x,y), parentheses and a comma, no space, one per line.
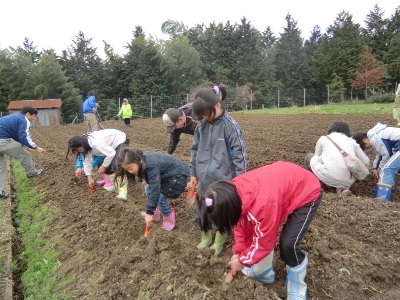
(304,97)
(328,94)
(251,99)
(279,96)
(151,107)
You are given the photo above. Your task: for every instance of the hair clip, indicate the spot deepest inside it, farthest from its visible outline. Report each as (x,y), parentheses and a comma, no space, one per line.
(216,90)
(208,201)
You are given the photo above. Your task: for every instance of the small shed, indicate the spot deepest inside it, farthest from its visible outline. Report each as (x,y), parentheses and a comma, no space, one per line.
(49,110)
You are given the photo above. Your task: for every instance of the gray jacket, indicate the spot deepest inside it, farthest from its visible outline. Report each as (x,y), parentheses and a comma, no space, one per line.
(165,174)
(217,151)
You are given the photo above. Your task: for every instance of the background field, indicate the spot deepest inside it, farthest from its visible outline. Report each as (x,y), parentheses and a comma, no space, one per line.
(352,244)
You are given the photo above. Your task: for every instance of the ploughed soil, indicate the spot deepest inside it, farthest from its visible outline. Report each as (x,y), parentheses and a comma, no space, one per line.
(353,243)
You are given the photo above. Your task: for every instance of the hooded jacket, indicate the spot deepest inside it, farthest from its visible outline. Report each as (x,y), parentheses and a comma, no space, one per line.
(385,141)
(217,151)
(269,195)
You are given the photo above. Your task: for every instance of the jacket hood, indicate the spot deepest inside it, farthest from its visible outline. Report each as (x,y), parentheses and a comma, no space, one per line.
(375,130)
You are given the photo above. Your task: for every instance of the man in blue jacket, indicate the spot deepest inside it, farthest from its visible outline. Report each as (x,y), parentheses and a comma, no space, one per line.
(16,142)
(89,108)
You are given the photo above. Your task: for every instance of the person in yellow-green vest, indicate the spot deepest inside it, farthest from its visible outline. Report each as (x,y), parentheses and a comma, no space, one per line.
(126,112)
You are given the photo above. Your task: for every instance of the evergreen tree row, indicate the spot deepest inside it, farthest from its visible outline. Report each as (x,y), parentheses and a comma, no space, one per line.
(349,61)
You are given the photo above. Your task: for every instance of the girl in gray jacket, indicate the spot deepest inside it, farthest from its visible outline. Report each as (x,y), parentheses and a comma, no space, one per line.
(217,151)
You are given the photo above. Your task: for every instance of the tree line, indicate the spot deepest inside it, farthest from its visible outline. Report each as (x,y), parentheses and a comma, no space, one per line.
(350,60)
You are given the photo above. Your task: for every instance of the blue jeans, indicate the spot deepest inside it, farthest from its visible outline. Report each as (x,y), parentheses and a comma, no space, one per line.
(163,204)
(390,169)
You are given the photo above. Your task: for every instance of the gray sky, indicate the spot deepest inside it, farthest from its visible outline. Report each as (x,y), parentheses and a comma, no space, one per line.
(54,24)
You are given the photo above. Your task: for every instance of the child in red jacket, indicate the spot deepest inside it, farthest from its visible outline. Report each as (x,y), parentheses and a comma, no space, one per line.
(254,205)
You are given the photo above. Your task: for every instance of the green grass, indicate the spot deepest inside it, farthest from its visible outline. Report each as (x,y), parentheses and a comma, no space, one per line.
(359,107)
(40,279)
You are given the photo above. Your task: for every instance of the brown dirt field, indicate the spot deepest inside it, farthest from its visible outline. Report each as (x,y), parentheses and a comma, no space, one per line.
(353,243)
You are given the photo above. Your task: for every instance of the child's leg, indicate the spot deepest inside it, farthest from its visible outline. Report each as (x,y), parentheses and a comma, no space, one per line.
(3,172)
(387,176)
(291,253)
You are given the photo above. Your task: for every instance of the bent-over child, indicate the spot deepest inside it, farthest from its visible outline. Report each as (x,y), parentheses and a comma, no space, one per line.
(165,177)
(107,144)
(254,205)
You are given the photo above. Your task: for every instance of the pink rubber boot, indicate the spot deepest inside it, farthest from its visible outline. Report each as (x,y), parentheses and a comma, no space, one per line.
(102,182)
(109,183)
(169,222)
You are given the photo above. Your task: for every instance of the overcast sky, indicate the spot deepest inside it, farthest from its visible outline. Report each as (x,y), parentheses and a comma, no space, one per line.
(54,24)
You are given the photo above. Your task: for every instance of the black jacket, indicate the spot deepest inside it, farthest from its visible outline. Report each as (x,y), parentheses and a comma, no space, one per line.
(188,129)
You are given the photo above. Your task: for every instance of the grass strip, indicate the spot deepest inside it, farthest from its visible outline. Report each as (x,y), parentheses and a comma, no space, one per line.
(40,261)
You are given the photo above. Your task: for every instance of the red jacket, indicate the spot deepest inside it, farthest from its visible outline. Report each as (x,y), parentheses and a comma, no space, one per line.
(269,194)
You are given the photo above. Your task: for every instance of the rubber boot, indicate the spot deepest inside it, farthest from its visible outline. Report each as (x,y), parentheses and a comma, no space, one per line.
(205,240)
(263,270)
(295,281)
(218,243)
(102,182)
(109,184)
(383,192)
(123,190)
(169,221)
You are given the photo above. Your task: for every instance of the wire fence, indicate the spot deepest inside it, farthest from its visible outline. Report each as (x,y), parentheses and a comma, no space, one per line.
(155,106)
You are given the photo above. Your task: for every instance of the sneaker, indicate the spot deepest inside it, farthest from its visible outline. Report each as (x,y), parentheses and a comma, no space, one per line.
(38,173)
(3,195)
(343,191)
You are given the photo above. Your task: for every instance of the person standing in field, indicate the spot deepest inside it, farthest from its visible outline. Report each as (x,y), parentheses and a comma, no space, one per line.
(15,141)
(178,121)
(217,151)
(89,108)
(396,106)
(126,112)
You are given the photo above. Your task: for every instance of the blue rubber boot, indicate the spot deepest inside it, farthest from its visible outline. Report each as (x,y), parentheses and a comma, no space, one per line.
(383,192)
(295,281)
(263,270)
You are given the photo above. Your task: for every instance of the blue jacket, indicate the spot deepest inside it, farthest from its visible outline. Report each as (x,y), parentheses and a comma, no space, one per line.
(165,174)
(96,162)
(15,126)
(89,104)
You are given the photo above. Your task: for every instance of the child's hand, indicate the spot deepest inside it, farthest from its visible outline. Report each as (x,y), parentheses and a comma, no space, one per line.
(148,219)
(101,170)
(192,183)
(90,180)
(78,172)
(236,266)
(375,174)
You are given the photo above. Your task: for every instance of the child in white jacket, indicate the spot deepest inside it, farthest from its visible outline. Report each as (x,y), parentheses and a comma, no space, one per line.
(328,164)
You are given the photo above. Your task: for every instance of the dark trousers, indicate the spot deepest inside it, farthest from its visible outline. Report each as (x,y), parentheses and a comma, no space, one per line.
(127,121)
(293,233)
